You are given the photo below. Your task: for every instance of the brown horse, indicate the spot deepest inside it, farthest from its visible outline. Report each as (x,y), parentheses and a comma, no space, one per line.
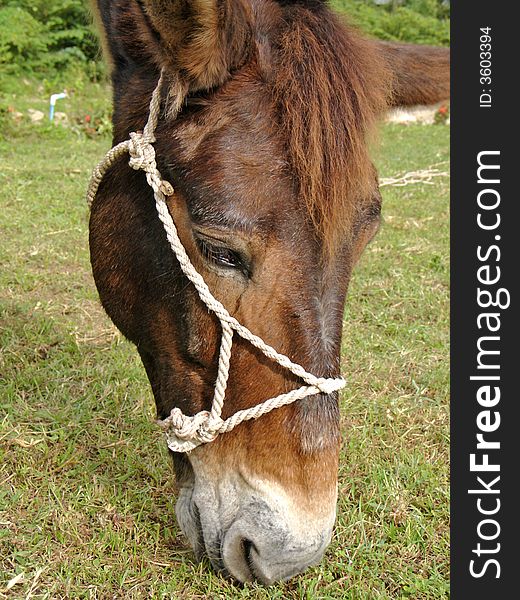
(275,199)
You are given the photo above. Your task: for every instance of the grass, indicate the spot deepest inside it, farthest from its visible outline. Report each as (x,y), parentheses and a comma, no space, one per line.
(86,488)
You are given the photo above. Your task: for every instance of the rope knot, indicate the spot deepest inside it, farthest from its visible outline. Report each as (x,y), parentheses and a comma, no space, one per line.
(328,386)
(194,430)
(142,153)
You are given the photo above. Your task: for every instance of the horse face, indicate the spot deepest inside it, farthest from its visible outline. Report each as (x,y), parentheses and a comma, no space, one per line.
(259,500)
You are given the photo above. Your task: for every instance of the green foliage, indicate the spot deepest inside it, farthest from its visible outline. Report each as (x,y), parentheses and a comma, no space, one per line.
(434,8)
(417,21)
(45,35)
(22,37)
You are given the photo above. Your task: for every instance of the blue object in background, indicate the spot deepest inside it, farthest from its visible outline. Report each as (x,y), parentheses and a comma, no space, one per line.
(55,97)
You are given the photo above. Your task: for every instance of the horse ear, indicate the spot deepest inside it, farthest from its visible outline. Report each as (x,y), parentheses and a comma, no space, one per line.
(201,41)
(126,35)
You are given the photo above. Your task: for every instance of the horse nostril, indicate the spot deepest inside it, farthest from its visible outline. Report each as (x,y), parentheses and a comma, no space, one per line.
(248,546)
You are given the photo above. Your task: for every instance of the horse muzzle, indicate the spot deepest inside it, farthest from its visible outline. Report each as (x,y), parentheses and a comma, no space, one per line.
(260,545)
(253,536)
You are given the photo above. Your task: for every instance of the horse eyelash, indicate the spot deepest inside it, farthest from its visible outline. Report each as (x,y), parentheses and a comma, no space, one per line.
(218,255)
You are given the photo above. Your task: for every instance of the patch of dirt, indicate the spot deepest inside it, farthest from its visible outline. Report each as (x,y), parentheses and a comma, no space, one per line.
(415,114)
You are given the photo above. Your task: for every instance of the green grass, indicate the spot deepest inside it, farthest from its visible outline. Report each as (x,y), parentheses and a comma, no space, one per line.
(86,487)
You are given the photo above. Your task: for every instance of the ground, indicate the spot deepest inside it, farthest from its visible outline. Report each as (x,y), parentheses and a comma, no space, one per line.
(86,487)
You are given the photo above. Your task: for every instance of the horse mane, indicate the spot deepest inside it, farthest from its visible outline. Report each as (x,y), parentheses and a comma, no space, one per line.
(330,86)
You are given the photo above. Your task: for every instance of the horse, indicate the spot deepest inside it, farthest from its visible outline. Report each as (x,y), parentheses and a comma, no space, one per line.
(265,112)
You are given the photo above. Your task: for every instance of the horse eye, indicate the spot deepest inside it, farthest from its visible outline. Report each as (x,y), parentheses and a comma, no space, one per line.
(219,255)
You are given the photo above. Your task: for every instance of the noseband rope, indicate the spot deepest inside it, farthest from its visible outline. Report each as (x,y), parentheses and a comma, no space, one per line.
(184,432)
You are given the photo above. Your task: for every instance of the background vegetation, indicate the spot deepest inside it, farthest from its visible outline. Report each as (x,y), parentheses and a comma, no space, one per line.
(45,35)
(417,21)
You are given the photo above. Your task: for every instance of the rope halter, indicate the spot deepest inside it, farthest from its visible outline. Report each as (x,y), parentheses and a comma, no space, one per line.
(184,432)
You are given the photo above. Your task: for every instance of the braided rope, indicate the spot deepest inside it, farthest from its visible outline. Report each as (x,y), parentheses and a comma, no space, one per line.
(184,432)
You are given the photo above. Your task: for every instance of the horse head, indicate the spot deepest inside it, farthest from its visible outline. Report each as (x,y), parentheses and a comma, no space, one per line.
(266,111)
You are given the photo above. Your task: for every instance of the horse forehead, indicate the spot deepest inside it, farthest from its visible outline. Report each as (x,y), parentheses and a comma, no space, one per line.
(234,166)
(234,154)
